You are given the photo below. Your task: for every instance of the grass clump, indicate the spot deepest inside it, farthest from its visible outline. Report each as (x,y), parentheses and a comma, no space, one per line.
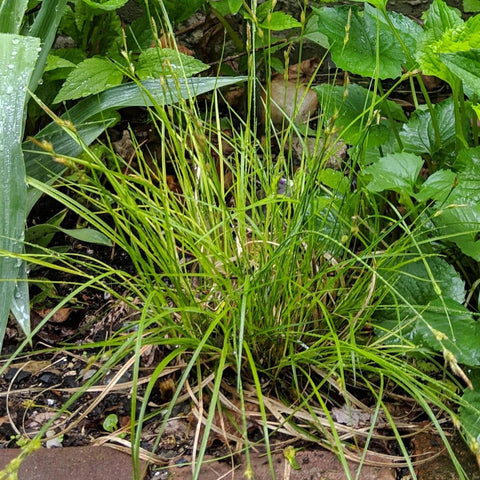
(271,283)
(260,277)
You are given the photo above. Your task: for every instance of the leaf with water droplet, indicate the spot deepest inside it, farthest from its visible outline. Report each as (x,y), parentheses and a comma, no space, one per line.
(15,72)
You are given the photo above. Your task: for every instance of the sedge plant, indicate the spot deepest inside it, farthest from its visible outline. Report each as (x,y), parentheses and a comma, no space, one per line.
(263,276)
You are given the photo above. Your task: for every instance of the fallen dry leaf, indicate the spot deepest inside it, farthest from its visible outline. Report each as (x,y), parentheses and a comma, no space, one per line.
(59,316)
(351,416)
(289,99)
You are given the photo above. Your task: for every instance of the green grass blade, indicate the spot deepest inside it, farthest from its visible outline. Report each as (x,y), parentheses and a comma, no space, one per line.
(11,15)
(17,60)
(42,167)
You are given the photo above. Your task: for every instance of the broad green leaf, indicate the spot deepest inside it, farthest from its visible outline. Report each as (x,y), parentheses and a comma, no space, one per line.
(17,60)
(460,224)
(139,34)
(93,75)
(455,54)
(416,287)
(459,219)
(352,36)
(471,5)
(41,235)
(226,7)
(262,11)
(54,62)
(73,55)
(458,50)
(460,331)
(336,180)
(397,172)
(180,10)
(461,38)
(469,411)
(418,135)
(76,24)
(431,64)
(11,15)
(314,34)
(105,4)
(84,115)
(352,108)
(438,186)
(468,171)
(439,18)
(88,235)
(466,66)
(278,21)
(411,291)
(161,62)
(408,29)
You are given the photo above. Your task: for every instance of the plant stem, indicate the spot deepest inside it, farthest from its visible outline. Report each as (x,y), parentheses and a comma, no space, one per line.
(389,114)
(460,115)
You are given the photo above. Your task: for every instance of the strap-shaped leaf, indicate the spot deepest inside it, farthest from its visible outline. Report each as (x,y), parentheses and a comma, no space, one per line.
(45,28)
(11,15)
(17,59)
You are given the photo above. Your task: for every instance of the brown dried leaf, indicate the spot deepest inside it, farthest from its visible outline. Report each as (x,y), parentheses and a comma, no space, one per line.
(124,147)
(351,416)
(304,70)
(31,366)
(292,98)
(230,421)
(59,316)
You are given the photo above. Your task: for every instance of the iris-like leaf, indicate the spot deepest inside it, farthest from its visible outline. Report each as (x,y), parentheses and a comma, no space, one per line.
(17,60)
(11,15)
(88,235)
(45,27)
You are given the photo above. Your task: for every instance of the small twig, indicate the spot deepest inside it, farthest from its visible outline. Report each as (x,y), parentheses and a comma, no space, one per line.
(242,54)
